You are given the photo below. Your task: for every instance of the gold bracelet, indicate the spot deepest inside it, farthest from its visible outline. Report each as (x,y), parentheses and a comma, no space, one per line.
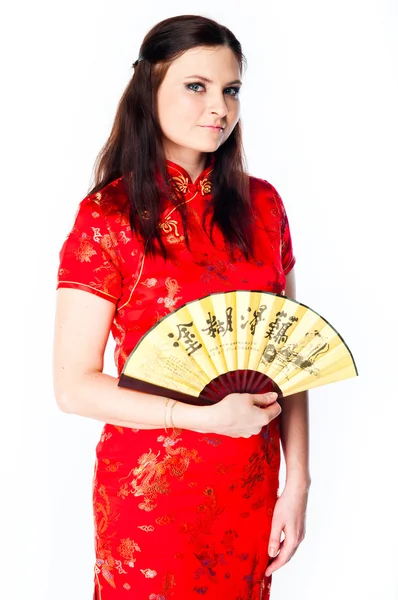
(171,410)
(165,414)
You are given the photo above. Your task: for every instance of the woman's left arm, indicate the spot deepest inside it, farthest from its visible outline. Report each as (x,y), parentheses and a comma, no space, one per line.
(290,509)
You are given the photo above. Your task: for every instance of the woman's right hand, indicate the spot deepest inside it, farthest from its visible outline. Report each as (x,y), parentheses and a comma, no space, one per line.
(237,415)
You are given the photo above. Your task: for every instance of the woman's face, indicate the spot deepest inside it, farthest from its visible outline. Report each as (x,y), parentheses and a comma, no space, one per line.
(200,90)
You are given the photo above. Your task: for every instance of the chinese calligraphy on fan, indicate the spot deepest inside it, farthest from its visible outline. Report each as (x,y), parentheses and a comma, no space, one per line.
(217,327)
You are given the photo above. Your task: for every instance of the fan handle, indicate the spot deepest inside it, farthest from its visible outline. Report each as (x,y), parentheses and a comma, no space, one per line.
(241,381)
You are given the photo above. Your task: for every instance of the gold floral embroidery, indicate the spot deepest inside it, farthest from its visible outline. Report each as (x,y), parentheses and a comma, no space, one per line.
(150,573)
(123,237)
(151,475)
(205,186)
(170,300)
(167,588)
(147,528)
(108,282)
(112,468)
(173,240)
(222,468)
(108,241)
(97,234)
(85,251)
(207,513)
(119,340)
(105,562)
(165,519)
(119,428)
(169,226)
(123,218)
(105,437)
(263,590)
(127,549)
(149,282)
(181,183)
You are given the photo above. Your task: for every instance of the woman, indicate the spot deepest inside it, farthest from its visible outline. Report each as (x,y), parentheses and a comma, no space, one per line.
(185,497)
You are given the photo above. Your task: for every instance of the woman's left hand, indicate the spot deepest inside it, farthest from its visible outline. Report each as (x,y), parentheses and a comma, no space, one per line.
(289,516)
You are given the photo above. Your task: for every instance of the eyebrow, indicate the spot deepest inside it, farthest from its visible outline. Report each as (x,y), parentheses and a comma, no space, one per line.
(210,81)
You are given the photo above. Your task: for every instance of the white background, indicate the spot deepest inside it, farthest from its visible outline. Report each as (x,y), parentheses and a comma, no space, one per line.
(319,112)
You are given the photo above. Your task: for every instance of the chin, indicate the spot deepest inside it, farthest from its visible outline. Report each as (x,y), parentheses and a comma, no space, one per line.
(210,147)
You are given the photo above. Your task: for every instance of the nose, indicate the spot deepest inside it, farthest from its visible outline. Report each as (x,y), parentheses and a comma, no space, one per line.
(218,105)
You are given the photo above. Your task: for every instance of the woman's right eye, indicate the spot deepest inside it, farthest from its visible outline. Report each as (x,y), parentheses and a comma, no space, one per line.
(189,86)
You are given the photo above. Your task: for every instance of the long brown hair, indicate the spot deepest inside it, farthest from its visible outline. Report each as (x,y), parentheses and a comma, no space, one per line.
(134,148)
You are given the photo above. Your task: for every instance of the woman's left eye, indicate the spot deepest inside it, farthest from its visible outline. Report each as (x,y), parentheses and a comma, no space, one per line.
(231,91)
(235,91)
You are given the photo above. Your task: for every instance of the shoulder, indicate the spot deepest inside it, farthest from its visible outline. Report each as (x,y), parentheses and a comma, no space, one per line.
(110,199)
(265,197)
(109,204)
(260,186)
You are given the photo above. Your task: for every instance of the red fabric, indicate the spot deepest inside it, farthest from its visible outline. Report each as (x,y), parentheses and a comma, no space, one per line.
(177,515)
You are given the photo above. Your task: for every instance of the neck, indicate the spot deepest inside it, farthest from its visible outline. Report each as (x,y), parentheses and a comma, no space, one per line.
(194,162)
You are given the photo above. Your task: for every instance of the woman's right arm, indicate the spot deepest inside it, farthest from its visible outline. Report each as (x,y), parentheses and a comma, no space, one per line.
(82,325)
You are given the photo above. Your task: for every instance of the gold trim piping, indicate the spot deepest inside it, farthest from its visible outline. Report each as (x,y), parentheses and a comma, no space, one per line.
(86,285)
(99,588)
(136,283)
(143,259)
(165,217)
(184,175)
(293,260)
(181,203)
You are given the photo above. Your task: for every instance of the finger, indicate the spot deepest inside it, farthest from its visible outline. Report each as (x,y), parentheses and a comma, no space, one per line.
(264,399)
(275,538)
(286,552)
(272,411)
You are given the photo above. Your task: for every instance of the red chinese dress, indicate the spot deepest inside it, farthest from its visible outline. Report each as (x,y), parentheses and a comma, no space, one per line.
(178,515)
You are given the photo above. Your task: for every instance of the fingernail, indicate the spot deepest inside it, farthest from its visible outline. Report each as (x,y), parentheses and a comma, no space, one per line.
(273,395)
(272,552)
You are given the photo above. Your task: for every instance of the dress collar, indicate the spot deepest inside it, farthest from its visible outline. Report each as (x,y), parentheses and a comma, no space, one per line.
(181,180)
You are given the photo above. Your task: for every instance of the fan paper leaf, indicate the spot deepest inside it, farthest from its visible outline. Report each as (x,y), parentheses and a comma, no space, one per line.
(241,330)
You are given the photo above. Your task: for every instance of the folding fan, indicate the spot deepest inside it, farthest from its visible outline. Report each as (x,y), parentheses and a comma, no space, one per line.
(237,341)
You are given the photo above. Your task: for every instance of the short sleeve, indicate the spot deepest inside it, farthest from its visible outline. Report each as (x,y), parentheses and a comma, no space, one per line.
(87,259)
(287,254)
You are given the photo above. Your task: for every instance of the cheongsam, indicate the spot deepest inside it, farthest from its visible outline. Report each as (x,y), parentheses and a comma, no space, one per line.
(178,515)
